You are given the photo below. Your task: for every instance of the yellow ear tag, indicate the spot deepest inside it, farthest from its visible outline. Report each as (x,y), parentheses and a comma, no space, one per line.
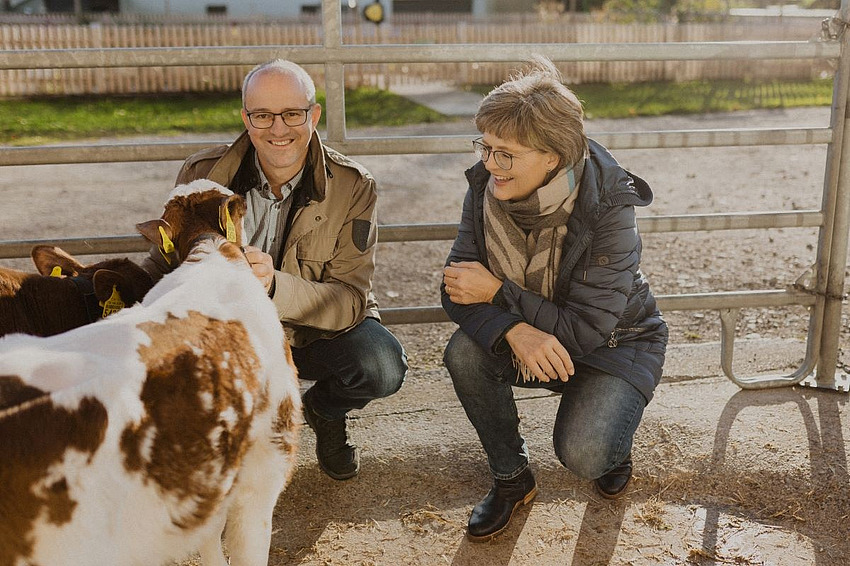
(167,245)
(113,304)
(231,227)
(56,271)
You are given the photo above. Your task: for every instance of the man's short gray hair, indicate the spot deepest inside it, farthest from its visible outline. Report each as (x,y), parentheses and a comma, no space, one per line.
(283,67)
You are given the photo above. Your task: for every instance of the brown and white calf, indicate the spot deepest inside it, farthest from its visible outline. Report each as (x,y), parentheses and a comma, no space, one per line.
(134,440)
(44,305)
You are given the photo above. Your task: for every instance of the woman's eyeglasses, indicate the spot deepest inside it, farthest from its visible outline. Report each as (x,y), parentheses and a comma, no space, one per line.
(503,159)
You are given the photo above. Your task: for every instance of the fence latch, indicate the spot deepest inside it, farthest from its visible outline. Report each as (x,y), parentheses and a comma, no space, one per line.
(833,28)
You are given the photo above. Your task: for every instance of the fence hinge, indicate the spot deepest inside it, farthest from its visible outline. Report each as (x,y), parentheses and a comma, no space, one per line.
(807,282)
(833,28)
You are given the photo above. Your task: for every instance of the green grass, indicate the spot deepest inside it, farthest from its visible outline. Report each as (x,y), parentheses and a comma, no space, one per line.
(696,97)
(44,120)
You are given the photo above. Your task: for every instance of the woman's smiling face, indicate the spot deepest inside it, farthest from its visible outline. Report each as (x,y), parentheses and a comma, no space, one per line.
(528,170)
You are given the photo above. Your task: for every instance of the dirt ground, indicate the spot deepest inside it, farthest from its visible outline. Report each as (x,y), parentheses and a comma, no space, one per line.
(722,476)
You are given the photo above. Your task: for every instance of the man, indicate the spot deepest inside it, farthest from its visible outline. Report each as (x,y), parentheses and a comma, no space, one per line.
(311,226)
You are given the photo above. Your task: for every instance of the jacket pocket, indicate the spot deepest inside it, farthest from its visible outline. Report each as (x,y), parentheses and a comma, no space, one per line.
(315,247)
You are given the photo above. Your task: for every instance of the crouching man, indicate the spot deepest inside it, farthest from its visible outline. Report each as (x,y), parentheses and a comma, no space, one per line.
(311,226)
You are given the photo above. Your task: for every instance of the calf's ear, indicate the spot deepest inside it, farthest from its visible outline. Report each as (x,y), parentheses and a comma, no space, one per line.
(230,213)
(112,290)
(160,234)
(151,231)
(46,258)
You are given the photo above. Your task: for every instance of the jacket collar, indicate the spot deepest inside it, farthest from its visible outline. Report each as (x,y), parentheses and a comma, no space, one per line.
(228,164)
(614,185)
(316,157)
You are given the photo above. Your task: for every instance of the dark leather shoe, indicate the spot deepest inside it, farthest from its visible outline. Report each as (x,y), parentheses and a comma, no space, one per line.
(613,484)
(492,515)
(336,455)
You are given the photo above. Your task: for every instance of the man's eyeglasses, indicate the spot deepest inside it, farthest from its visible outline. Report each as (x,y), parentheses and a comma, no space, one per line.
(503,159)
(292,118)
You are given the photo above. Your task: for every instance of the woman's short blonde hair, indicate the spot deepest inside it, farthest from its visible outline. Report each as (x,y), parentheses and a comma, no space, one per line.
(534,108)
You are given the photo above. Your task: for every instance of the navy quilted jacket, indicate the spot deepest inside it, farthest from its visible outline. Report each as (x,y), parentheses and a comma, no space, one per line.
(603,311)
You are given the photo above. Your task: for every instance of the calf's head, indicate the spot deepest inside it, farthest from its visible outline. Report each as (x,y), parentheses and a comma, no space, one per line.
(199,208)
(117,279)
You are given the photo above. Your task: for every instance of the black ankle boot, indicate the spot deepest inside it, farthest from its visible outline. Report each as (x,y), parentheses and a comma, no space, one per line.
(613,484)
(492,515)
(336,455)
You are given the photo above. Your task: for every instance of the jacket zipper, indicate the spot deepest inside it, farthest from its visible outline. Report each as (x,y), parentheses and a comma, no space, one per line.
(613,342)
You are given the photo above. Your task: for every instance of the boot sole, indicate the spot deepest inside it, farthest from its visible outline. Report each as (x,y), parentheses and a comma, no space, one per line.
(612,496)
(338,477)
(525,501)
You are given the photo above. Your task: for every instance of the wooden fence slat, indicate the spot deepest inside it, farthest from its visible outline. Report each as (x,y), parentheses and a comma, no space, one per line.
(63,33)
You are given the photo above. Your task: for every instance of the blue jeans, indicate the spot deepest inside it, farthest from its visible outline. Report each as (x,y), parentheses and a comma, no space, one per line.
(351,369)
(594,427)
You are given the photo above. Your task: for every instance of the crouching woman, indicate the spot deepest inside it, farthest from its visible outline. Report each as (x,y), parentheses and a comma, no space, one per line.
(545,284)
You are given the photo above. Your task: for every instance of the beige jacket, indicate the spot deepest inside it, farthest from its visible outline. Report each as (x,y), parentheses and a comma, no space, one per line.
(323,279)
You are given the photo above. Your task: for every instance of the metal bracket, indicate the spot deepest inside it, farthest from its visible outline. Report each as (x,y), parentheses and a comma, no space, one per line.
(832,29)
(807,283)
(728,318)
(840,383)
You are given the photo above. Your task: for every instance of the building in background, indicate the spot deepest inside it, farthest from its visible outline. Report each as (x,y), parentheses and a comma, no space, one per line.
(266,8)
(240,8)
(474,7)
(294,8)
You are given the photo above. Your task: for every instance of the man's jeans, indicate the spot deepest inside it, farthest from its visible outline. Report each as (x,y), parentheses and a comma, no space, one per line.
(351,369)
(594,427)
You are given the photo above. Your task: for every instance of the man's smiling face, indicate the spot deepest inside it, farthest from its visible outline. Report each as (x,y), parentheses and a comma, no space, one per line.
(281,149)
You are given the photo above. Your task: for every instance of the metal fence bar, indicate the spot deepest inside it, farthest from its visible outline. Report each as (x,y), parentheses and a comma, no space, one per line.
(401,145)
(682,302)
(389,233)
(389,53)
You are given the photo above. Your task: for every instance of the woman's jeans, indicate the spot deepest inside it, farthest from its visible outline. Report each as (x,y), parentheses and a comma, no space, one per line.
(351,369)
(594,427)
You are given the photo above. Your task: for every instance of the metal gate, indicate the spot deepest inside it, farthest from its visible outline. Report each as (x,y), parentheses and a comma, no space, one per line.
(821,289)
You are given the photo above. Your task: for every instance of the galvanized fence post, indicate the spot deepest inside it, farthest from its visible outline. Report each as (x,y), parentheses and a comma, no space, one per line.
(837,219)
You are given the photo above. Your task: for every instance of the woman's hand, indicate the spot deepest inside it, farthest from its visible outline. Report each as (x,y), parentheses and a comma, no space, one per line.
(541,352)
(469,282)
(261,265)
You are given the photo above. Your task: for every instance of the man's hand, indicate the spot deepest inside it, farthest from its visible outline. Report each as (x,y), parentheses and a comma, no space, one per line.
(261,265)
(544,355)
(469,282)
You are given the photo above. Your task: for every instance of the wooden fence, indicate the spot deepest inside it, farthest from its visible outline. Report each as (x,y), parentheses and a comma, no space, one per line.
(526,30)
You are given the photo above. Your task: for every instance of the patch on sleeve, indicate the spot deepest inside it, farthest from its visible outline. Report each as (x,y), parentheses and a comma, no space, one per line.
(361,233)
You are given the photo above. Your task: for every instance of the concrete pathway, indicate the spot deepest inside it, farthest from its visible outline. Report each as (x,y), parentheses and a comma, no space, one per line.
(443,98)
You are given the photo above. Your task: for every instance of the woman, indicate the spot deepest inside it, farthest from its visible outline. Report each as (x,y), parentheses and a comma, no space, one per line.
(544,281)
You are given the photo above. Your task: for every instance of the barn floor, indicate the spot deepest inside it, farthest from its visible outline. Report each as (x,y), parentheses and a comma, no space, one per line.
(723,476)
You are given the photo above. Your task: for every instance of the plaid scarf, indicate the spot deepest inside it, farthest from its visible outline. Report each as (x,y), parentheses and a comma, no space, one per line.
(524,239)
